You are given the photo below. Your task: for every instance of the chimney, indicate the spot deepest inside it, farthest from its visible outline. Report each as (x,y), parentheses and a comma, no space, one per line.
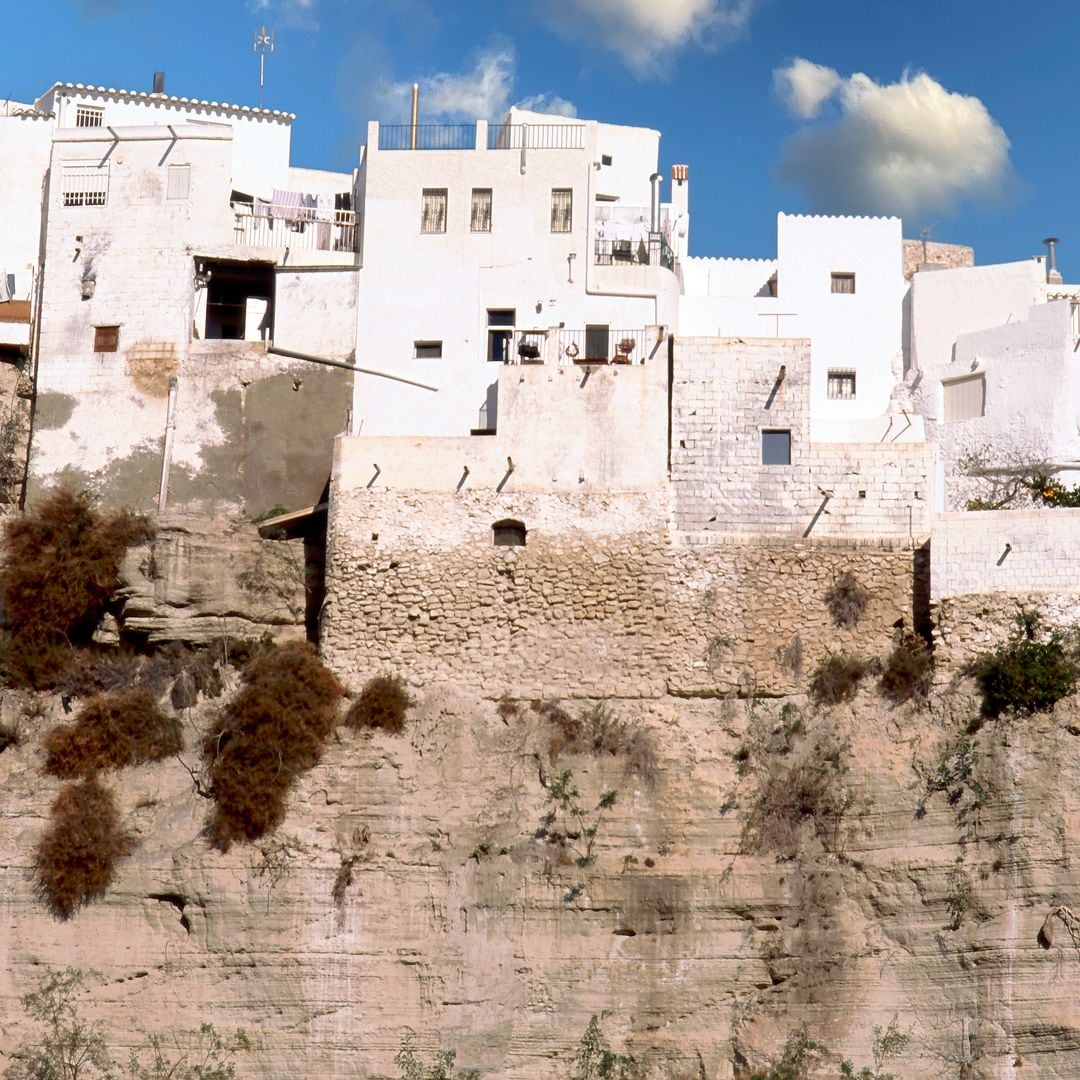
(415,112)
(1052,275)
(654,218)
(159,82)
(680,210)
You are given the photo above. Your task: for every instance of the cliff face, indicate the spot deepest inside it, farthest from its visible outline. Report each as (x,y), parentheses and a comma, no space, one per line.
(774,866)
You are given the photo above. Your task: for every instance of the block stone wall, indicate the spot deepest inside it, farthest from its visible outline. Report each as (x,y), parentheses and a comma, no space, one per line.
(725,392)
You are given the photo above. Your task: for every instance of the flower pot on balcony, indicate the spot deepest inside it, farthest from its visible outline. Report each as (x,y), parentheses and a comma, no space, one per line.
(623,351)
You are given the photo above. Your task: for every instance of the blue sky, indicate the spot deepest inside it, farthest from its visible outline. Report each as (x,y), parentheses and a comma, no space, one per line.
(957,114)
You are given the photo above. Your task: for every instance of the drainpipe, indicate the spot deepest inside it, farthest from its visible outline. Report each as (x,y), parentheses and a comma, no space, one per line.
(415,112)
(1052,275)
(654,216)
(166,454)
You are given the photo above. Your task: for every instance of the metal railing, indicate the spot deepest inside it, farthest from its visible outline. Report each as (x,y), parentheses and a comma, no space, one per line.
(650,250)
(601,345)
(536,137)
(428,137)
(299,228)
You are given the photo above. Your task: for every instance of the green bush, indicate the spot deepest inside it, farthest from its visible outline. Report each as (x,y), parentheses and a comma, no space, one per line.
(1027,675)
(60,567)
(76,856)
(271,733)
(836,678)
(800,1055)
(382,703)
(113,731)
(908,670)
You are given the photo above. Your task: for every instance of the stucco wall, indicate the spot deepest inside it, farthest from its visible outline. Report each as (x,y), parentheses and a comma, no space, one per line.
(600,601)
(725,393)
(25,145)
(315,311)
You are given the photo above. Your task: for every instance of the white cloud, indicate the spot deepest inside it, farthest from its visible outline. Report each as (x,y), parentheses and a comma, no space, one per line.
(804,86)
(483,93)
(911,147)
(295,13)
(647,33)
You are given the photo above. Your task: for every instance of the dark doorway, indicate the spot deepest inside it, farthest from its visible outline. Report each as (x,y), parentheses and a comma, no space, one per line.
(239,299)
(596,341)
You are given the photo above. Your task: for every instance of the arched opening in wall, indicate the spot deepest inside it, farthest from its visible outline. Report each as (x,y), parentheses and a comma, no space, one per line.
(508,533)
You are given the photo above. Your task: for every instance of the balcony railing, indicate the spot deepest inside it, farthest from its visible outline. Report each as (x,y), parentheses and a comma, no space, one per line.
(536,137)
(649,249)
(428,137)
(298,228)
(601,345)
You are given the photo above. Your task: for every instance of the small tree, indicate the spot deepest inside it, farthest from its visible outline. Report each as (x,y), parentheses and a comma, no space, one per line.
(595,1060)
(442,1068)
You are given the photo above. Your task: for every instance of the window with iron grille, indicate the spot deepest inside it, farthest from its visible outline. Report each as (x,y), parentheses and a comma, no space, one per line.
(84,184)
(433,211)
(843,283)
(89,116)
(562,210)
(480,214)
(106,338)
(841,384)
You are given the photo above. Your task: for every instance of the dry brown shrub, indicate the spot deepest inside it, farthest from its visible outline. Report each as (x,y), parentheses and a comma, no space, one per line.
(836,679)
(265,738)
(60,567)
(596,730)
(77,855)
(382,703)
(847,600)
(113,731)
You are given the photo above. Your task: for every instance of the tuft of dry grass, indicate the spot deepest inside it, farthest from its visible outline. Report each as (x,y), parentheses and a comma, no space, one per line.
(112,731)
(836,679)
(263,740)
(382,703)
(847,600)
(596,730)
(60,567)
(77,855)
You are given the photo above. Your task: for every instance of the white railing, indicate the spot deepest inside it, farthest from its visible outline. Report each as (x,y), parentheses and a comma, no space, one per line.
(298,228)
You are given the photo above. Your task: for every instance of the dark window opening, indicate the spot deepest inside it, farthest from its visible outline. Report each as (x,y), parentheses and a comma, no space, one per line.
(106,338)
(605,159)
(427,350)
(843,283)
(343,201)
(509,533)
(776,447)
(500,322)
(239,303)
(596,341)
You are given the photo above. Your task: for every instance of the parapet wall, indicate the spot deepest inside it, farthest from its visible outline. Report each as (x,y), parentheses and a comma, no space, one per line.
(601,601)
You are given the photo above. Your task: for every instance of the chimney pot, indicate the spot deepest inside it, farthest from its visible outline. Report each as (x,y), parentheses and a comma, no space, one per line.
(159,82)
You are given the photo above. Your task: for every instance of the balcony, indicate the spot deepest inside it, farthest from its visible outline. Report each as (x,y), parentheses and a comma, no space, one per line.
(297,228)
(594,344)
(651,249)
(481,136)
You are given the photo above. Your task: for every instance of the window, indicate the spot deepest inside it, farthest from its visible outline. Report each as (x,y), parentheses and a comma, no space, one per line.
(84,184)
(508,533)
(433,211)
(480,214)
(776,447)
(605,159)
(562,210)
(89,116)
(179,185)
(106,338)
(841,384)
(965,398)
(843,283)
(427,350)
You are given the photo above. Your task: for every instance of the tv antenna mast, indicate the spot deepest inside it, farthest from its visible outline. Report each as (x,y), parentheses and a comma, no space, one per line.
(264,43)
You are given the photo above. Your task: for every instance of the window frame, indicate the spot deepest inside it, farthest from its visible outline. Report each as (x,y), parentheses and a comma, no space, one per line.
(949,408)
(84,183)
(89,116)
(427,349)
(175,172)
(429,223)
(107,338)
(838,376)
(478,224)
(764,455)
(842,278)
(562,210)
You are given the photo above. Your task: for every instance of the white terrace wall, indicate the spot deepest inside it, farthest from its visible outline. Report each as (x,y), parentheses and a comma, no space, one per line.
(726,392)
(988,566)
(25,145)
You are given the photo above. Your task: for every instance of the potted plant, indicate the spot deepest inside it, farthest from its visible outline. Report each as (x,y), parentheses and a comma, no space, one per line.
(623,351)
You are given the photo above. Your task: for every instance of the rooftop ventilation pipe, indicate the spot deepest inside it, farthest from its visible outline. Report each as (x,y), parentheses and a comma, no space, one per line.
(415,110)
(1052,275)
(159,82)
(654,219)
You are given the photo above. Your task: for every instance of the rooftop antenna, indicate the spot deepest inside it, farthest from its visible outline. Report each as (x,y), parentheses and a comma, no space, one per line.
(926,232)
(264,43)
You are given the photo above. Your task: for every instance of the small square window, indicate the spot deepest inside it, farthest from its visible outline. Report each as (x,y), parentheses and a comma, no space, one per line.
(843,283)
(605,159)
(841,385)
(179,183)
(89,116)
(106,338)
(427,350)
(776,447)
(433,211)
(480,214)
(562,210)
